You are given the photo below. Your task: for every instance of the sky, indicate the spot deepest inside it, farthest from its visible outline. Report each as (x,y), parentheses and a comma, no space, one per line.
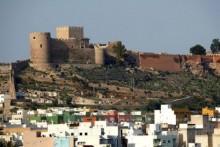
(171,26)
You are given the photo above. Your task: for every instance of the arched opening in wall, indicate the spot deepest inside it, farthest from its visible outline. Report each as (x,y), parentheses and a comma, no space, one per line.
(34,37)
(41,45)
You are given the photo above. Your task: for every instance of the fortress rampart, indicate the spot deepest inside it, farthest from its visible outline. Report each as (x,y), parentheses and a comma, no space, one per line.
(173,63)
(159,62)
(71,47)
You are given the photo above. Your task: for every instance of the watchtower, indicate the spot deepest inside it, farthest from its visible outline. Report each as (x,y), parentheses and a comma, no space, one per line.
(40,49)
(100,53)
(68,32)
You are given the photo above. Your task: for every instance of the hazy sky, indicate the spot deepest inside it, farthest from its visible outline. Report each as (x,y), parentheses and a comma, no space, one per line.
(171,26)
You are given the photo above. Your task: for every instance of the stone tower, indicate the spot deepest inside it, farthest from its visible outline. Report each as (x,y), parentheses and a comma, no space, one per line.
(100,54)
(68,32)
(40,49)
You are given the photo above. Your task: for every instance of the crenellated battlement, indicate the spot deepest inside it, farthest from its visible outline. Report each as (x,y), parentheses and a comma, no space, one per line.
(62,39)
(213,55)
(39,36)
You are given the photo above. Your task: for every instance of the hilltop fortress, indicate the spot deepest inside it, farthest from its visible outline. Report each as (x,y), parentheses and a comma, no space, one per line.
(70,46)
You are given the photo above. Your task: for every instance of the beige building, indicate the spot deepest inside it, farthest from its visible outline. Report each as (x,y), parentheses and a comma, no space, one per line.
(198,131)
(216,137)
(32,138)
(203,140)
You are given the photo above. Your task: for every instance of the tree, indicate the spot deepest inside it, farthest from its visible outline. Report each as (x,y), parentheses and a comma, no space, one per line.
(152,105)
(119,50)
(198,50)
(215,46)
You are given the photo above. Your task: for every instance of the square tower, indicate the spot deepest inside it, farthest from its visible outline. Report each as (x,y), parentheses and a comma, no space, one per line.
(68,32)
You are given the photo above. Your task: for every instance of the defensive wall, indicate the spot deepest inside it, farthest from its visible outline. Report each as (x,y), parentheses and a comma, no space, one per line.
(18,66)
(4,68)
(70,46)
(11,70)
(71,51)
(173,63)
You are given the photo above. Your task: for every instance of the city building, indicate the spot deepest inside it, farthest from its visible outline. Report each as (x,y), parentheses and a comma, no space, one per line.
(165,116)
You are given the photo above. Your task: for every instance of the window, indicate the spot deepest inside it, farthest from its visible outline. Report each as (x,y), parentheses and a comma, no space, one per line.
(72,134)
(41,45)
(86,134)
(38,134)
(102,131)
(34,37)
(80,134)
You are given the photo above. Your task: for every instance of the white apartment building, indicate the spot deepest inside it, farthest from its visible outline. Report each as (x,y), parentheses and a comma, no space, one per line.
(18,118)
(154,137)
(165,115)
(98,134)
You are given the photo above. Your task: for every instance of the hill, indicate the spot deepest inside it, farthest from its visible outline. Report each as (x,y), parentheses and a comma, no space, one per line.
(117,87)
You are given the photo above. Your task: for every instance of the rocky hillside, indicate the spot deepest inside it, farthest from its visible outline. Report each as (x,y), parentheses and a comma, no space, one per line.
(117,86)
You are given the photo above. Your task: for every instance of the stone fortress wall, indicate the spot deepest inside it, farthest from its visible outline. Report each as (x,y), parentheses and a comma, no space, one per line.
(70,46)
(173,63)
(8,71)
(160,62)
